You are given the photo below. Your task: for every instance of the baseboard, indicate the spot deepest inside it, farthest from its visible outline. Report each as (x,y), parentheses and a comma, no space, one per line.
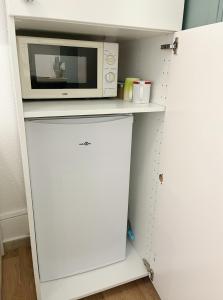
(14,225)
(12,245)
(13,214)
(1,254)
(0,276)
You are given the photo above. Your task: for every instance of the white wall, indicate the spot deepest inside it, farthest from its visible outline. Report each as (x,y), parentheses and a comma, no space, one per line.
(13,218)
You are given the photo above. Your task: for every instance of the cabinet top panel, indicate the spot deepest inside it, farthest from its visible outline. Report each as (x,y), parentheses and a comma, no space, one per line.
(147,14)
(81,30)
(38,109)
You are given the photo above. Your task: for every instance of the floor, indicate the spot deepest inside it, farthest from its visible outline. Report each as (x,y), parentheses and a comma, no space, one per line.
(18,281)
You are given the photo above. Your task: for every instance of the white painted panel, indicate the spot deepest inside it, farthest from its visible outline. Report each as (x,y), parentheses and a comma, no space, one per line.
(38,109)
(147,134)
(1,254)
(99,32)
(159,14)
(13,214)
(85,284)
(143,58)
(189,227)
(14,224)
(14,228)
(16,88)
(12,196)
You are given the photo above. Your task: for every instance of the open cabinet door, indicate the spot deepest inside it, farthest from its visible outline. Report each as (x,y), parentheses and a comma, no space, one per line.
(188,236)
(1,254)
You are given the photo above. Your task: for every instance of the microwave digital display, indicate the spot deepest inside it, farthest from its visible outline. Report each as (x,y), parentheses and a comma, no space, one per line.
(62,67)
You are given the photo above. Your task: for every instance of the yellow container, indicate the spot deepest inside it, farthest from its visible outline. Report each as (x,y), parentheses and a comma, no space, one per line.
(128,88)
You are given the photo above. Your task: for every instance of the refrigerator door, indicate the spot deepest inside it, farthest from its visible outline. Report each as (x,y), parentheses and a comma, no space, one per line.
(79,170)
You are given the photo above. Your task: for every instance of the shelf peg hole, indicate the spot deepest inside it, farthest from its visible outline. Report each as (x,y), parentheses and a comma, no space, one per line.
(161,178)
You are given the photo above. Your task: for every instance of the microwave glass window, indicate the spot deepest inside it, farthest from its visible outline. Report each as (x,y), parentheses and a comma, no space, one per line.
(62,67)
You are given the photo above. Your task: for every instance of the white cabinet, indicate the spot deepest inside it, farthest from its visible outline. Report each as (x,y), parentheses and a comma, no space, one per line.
(188,242)
(148,14)
(177,224)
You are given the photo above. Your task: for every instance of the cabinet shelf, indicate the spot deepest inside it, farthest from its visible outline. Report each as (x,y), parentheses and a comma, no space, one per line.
(85,284)
(59,108)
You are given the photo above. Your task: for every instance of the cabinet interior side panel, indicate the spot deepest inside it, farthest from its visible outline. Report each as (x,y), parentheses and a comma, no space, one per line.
(147,134)
(143,58)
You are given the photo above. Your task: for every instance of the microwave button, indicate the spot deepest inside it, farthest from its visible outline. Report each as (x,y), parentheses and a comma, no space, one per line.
(110,59)
(110,77)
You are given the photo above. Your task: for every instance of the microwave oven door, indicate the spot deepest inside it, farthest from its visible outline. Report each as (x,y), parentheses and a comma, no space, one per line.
(55,68)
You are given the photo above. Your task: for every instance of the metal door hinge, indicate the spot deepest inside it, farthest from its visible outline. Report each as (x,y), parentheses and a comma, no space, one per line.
(173,46)
(149,269)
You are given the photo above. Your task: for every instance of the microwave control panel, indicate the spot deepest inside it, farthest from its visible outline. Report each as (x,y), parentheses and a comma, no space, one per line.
(110,72)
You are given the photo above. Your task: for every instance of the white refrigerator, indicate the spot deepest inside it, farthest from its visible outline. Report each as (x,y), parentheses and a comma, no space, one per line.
(79,172)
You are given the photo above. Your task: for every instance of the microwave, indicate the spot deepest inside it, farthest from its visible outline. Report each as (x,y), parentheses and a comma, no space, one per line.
(61,68)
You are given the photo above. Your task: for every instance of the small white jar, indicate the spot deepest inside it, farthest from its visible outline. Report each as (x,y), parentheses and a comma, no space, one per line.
(141,91)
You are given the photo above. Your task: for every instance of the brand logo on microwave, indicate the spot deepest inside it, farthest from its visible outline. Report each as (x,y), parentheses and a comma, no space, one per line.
(85,144)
